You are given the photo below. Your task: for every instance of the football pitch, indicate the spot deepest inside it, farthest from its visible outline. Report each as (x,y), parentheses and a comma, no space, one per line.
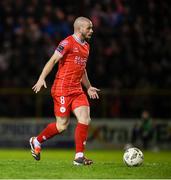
(57,164)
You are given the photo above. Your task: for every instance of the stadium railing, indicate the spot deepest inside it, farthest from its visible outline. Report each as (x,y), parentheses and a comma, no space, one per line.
(23,102)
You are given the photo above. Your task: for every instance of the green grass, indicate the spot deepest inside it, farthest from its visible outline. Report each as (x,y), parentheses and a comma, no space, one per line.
(56,164)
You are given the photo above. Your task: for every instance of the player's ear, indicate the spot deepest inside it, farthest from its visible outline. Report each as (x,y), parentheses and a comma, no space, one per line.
(81,29)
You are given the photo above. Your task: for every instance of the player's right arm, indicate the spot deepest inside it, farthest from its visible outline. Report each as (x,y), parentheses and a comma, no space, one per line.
(46,70)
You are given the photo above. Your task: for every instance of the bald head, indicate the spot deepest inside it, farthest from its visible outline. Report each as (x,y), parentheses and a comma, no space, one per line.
(79,22)
(83,27)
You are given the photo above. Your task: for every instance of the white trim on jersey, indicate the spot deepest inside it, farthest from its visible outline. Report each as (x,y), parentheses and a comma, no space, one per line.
(78,39)
(58,53)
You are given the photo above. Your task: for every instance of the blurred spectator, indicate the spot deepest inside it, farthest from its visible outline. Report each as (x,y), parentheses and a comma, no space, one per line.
(144,131)
(132,40)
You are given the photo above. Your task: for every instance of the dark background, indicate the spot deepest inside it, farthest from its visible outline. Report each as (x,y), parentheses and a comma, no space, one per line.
(130,58)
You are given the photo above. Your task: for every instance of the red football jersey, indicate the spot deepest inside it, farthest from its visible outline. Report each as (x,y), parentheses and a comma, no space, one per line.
(71,66)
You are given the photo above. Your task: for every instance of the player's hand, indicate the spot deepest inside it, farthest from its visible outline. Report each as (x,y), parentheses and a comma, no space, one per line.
(92,92)
(37,87)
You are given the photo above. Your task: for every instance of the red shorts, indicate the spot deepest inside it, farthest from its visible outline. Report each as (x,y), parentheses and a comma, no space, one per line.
(63,105)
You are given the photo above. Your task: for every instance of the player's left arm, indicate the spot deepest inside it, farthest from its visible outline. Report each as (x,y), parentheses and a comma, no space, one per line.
(92,91)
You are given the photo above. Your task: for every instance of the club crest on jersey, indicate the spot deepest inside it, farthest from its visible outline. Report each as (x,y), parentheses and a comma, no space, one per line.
(80,60)
(75,49)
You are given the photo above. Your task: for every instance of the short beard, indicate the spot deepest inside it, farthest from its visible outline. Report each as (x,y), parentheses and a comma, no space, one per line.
(87,39)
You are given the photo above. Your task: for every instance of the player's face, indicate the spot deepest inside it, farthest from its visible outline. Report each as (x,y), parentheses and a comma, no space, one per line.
(87,30)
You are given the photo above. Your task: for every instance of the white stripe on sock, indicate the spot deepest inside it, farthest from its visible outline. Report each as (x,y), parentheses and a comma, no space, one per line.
(36,143)
(79,154)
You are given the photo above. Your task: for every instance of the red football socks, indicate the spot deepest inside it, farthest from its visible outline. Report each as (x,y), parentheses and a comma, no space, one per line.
(81,133)
(48,132)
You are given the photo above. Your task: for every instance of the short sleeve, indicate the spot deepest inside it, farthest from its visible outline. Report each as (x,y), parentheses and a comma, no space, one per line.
(63,47)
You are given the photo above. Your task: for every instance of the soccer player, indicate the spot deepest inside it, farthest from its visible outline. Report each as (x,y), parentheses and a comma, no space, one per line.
(72,54)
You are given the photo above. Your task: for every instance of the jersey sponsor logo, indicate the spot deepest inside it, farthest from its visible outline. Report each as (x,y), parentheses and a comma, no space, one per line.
(80,60)
(60,48)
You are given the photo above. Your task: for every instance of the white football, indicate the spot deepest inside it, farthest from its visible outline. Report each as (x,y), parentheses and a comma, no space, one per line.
(133,157)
